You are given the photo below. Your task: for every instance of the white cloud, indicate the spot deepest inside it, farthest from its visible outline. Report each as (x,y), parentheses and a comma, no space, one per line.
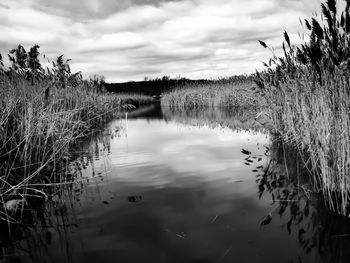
(195,39)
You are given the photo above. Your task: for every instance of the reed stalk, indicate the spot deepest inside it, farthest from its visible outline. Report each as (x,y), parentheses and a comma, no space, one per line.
(309,97)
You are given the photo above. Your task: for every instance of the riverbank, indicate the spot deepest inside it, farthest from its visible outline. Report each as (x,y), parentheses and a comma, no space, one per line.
(40,123)
(309,103)
(231,94)
(306,95)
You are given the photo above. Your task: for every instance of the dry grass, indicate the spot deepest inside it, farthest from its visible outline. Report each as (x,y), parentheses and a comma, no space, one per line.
(309,97)
(316,119)
(216,94)
(37,130)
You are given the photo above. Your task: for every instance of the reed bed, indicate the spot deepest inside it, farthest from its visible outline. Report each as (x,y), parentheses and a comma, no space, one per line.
(213,94)
(285,182)
(309,97)
(315,119)
(39,124)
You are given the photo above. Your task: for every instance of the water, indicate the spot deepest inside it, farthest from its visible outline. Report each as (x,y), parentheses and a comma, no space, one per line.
(176,187)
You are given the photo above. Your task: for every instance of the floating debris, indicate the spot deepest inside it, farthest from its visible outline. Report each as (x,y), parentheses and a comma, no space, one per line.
(214,219)
(134,198)
(246,152)
(266,220)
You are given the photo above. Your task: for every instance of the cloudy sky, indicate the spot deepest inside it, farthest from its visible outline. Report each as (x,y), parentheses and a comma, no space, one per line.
(130,39)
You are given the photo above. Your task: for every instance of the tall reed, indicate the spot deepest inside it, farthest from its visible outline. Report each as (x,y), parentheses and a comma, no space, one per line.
(309,97)
(37,131)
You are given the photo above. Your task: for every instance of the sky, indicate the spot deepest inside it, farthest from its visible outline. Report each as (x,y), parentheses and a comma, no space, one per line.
(128,40)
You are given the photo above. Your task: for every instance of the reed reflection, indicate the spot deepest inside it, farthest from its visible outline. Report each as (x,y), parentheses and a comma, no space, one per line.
(233,118)
(29,231)
(286,180)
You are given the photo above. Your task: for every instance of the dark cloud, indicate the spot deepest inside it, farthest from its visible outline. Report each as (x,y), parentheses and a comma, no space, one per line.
(4,6)
(102,50)
(129,39)
(92,9)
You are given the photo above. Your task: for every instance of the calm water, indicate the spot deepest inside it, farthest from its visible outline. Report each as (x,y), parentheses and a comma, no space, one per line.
(158,188)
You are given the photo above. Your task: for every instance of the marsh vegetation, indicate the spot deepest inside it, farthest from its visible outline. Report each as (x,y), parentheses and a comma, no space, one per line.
(305,94)
(178,179)
(198,158)
(43,114)
(236,92)
(309,101)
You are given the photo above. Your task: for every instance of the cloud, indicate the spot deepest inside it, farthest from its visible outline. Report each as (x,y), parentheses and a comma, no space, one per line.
(130,39)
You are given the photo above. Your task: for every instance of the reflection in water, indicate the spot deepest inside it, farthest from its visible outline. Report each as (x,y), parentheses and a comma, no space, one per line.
(150,112)
(320,232)
(236,119)
(54,215)
(151,190)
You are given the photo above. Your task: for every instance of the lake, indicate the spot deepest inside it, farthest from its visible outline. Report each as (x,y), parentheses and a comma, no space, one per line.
(173,186)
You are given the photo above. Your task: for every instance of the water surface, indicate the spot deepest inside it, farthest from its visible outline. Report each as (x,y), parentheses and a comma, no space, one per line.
(156,188)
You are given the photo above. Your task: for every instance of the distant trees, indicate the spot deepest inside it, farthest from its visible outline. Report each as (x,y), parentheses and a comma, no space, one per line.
(157,79)
(98,82)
